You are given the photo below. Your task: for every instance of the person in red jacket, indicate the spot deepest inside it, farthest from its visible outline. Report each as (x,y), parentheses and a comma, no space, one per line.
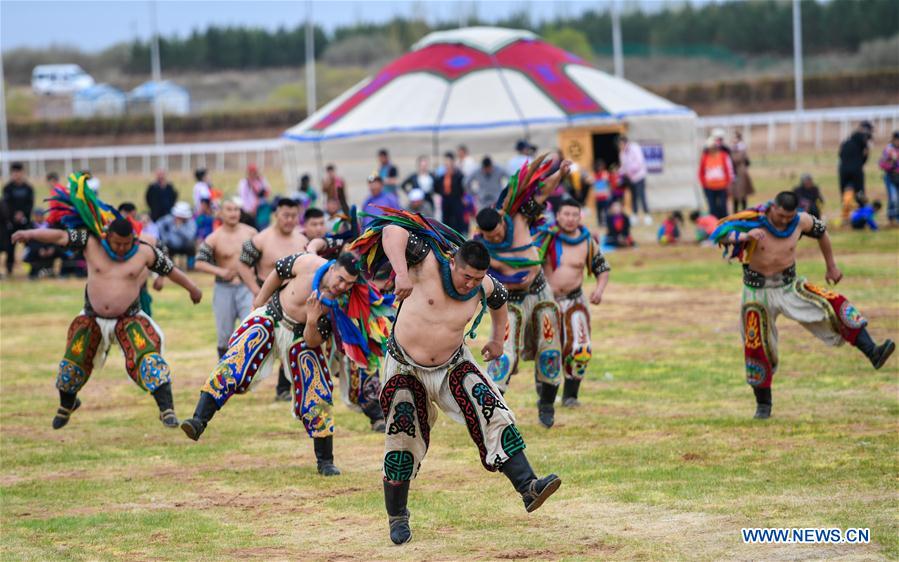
(716,172)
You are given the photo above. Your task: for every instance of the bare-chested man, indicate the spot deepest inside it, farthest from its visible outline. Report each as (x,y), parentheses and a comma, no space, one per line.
(118,263)
(534,330)
(765,240)
(219,254)
(430,367)
(568,249)
(291,322)
(280,239)
(314,225)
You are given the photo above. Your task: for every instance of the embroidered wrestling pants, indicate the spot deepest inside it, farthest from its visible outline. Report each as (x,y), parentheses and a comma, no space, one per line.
(410,399)
(576,343)
(90,338)
(252,349)
(826,314)
(533,333)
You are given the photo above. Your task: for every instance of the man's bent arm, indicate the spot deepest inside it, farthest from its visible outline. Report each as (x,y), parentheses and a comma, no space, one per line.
(394,239)
(180,278)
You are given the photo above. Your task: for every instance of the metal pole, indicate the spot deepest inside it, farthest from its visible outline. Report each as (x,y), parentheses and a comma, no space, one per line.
(797,55)
(310,61)
(4,138)
(157,76)
(616,40)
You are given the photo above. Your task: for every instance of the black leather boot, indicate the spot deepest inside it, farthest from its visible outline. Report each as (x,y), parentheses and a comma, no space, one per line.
(763,403)
(163,397)
(546,410)
(876,354)
(373,411)
(68,403)
(569,393)
(396,494)
(206,408)
(282,391)
(324,454)
(221,351)
(533,490)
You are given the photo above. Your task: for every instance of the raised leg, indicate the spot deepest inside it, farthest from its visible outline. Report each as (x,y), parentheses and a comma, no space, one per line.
(81,356)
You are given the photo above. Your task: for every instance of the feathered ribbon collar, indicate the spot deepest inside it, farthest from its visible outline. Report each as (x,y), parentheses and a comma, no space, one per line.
(551,242)
(361,320)
(743,222)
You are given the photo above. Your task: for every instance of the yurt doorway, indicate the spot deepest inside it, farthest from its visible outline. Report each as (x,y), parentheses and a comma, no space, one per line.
(586,145)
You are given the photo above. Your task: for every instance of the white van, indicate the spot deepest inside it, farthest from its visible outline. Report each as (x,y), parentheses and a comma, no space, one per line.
(59,79)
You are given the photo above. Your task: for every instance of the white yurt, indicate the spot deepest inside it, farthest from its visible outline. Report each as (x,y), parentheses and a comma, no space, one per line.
(487,88)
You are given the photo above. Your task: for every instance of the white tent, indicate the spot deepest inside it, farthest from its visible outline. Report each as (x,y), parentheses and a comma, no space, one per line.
(487,87)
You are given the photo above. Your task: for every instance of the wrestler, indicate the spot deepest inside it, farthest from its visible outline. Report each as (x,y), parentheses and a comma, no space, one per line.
(534,321)
(568,248)
(765,240)
(314,225)
(219,255)
(295,309)
(430,366)
(118,264)
(259,253)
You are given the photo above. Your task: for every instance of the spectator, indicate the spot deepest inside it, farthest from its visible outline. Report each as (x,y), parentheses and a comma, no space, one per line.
(254,191)
(203,187)
(619,189)
(889,163)
(53,182)
(618,227)
(178,231)
(305,194)
(853,155)
(452,195)
(332,182)
(577,184)
(18,195)
(378,197)
(423,179)
(864,215)
(418,203)
(718,135)
(602,190)
(669,232)
(205,220)
(633,168)
(314,223)
(147,225)
(715,175)
(705,225)
(467,164)
(161,196)
(741,187)
(487,183)
(809,196)
(524,150)
(40,255)
(332,213)
(387,172)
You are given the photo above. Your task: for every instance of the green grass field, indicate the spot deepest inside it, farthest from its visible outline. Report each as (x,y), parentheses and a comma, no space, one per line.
(662,461)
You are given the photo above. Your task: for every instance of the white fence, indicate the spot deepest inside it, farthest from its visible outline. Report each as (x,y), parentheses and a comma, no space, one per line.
(811,128)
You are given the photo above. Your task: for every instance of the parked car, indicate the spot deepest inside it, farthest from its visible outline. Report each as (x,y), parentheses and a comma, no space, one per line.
(59,79)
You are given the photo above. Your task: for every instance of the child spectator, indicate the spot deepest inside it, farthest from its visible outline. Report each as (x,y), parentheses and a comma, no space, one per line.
(705,225)
(810,199)
(618,227)
(205,219)
(864,215)
(669,232)
(602,190)
(40,255)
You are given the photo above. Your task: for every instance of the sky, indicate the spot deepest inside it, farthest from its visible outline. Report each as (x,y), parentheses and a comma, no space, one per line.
(94,25)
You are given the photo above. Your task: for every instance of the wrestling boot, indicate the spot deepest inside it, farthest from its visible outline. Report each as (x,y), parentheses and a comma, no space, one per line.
(569,393)
(533,490)
(324,454)
(221,351)
(206,408)
(68,403)
(763,403)
(282,391)
(876,354)
(373,411)
(163,397)
(546,410)
(395,495)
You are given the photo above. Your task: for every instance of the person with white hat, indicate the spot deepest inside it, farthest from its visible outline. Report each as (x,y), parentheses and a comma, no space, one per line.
(178,231)
(419,204)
